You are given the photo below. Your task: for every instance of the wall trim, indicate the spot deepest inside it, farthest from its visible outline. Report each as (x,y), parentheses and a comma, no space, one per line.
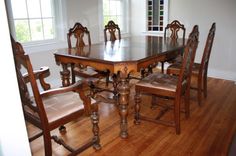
(222,74)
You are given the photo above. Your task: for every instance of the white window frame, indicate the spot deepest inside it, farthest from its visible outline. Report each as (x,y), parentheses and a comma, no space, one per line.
(60,30)
(126,12)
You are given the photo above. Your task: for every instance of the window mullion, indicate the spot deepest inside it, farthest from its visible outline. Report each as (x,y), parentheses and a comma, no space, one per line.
(28,20)
(41,17)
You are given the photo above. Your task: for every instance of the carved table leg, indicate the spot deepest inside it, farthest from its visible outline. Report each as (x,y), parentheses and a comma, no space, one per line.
(65,75)
(123,90)
(115,83)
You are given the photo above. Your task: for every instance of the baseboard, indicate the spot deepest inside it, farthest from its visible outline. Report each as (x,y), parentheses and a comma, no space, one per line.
(226,75)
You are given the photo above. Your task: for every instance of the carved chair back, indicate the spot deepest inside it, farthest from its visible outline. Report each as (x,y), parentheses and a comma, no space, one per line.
(112,28)
(207,50)
(188,60)
(79,32)
(23,60)
(174,27)
(52,108)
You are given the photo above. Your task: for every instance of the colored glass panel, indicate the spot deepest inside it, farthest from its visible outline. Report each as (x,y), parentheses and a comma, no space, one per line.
(161,2)
(155,28)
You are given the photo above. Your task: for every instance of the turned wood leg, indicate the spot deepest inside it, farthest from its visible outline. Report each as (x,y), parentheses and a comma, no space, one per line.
(123,90)
(96,138)
(65,75)
(137,99)
(177,115)
(116,79)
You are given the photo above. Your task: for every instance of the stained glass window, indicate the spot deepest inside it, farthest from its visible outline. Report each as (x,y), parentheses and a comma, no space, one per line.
(157,14)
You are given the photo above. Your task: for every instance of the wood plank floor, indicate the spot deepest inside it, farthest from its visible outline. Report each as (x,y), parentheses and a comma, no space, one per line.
(208,131)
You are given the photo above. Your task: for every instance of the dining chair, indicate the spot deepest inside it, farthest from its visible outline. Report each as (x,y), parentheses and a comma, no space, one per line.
(52,108)
(173,30)
(113,29)
(79,32)
(170,87)
(199,69)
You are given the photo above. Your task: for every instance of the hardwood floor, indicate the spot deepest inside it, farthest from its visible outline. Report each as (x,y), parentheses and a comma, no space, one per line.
(208,131)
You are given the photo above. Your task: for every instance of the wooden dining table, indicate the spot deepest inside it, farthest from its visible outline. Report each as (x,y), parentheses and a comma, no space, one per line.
(127,55)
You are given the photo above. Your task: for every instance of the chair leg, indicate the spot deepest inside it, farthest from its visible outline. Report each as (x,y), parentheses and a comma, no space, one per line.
(199,90)
(205,85)
(162,66)
(72,73)
(107,77)
(47,144)
(154,102)
(186,103)
(96,138)
(137,99)
(177,115)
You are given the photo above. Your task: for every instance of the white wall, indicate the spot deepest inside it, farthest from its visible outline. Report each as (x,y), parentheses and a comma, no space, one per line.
(189,12)
(203,13)
(13,135)
(85,12)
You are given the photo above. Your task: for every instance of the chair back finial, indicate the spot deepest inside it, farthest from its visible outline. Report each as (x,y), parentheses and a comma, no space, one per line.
(112,28)
(207,49)
(175,26)
(78,31)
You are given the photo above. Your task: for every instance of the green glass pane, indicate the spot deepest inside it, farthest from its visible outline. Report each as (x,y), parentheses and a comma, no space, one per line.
(22,31)
(161,12)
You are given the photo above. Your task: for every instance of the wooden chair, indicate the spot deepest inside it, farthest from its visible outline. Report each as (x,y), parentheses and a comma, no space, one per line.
(169,86)
(53,108)
(174,27)
(199,69)
(79,32)
(112,28)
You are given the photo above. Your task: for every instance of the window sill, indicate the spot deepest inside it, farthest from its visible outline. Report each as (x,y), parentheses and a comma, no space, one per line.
(153,33)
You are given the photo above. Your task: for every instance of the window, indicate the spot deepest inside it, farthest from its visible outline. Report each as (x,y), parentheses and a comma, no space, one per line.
(157,15)
(116,10)
(32,20)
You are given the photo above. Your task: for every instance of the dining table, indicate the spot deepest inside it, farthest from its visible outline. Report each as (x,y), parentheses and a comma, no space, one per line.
(130,54)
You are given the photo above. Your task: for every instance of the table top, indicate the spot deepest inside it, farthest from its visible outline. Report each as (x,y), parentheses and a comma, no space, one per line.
(135,48)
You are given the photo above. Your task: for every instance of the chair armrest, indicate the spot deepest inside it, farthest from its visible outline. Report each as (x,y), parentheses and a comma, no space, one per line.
(74,87)
(40,74)
(77,87)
